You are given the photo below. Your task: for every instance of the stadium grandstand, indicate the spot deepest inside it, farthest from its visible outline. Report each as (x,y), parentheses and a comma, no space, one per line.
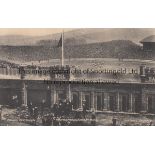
(112,49)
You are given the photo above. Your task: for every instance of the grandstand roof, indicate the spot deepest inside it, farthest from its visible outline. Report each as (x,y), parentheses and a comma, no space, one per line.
(148,39)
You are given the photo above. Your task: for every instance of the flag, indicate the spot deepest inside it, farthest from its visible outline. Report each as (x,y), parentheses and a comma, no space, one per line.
(60,42)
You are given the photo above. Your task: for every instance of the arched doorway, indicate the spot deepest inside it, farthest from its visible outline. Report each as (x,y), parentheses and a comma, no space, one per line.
(75,100)
(112,102)
(137,103)
(61,95)
(125,103)
(150,104)
(86,97)
(99,101)
(36,96)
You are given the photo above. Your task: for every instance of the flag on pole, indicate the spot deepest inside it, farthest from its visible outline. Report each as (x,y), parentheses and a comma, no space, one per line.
(60,42)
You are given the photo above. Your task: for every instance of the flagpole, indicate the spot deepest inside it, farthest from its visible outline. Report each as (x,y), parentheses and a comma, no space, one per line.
(62,54)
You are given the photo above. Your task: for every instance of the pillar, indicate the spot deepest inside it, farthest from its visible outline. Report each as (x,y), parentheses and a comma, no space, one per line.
(53,95)
(24,94)
(143,101)
(131,106)
(68,93)
(117,102)
(48,95)
(92,100)
(80,99)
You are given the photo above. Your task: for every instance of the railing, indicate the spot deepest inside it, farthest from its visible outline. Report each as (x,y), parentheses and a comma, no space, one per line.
(9,73)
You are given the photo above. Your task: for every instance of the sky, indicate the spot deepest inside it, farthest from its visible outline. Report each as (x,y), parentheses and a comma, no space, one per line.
(31,31)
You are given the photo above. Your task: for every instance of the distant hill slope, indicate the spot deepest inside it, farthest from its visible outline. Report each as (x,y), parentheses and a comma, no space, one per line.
(67,41)
(81,36)
(112,49)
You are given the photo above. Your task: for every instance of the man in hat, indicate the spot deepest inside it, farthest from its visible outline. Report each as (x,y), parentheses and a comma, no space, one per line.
(55,109)
(114,121)
(35,114)
(0,112)
(42,106)
(84,108)
(30,106)
(93,118)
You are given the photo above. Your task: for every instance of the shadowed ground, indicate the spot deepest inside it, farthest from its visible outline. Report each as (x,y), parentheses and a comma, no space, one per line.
(10,117)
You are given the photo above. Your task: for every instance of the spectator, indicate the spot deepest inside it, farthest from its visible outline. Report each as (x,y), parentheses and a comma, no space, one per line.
(0,112)
(84,109)
(93,117)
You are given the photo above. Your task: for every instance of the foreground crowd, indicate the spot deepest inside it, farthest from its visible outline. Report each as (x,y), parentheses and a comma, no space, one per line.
(60,114)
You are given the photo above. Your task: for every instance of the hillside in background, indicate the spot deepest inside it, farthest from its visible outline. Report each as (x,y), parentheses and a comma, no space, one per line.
(112,49)
(79,36)
(67,41)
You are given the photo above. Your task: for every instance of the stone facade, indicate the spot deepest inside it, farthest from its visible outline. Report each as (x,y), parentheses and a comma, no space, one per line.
(139,98)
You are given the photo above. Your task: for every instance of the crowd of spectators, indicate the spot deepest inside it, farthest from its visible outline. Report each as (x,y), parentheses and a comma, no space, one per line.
(111,49)
(7,64)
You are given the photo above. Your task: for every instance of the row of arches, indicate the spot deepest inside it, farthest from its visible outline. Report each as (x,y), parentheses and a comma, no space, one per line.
(101,101)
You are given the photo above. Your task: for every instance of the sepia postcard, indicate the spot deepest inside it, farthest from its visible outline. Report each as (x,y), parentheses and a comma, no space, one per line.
(77,77)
